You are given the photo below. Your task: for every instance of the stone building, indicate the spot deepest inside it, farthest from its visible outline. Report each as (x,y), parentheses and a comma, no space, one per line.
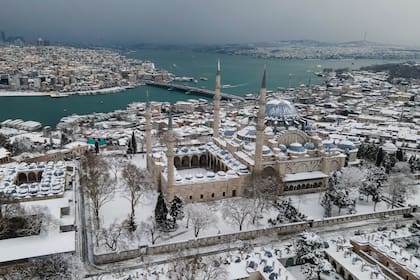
(279,145)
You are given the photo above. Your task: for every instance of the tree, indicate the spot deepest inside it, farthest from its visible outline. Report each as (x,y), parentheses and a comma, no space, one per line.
(58,266)
(399,187)
(237,211)
(351,178)
(372,185)
(152,230)
(337,194)
(161,211)
(133,143)
(309,249)
(176,209)
(112,234)
(379,157)
(96,184)
(200,216)
(263,191)
(137,183)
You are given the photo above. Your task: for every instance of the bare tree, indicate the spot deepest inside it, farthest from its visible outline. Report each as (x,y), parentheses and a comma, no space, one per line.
(200,216)
(264,191)
(191,268)
(152,231)
(237,211)
(58,266)
(137,183)
(112,234)
(115,164)
(399,187)
(96,183)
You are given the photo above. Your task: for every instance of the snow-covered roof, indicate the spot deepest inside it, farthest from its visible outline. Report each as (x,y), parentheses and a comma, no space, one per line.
(304,176)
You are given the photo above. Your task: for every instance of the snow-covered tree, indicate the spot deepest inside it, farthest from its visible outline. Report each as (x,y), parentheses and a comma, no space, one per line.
(200,216)
(351,178)
(96,183)
(399,187)
(372,185)
(112,234)
(310,249)
(176,209)
(161,211)
(137,183)
(237,211)
(58,266)
(337,194)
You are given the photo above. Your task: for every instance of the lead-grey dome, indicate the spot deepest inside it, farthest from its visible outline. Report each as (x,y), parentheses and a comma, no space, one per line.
(280,110)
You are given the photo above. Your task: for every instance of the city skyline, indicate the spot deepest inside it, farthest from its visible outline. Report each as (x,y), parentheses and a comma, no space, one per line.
(215,22)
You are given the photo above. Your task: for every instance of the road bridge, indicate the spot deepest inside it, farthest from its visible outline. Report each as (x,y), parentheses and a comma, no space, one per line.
(193,90)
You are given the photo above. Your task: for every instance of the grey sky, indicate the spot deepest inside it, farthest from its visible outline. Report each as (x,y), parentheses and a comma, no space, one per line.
(212,21)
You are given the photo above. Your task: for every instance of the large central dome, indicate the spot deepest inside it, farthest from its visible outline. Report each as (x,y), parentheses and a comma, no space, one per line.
(281,110)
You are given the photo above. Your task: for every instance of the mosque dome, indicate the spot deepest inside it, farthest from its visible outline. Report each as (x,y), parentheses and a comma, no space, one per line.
(389,147)
(346,145)
(276,109)
(297,148)
(310,146)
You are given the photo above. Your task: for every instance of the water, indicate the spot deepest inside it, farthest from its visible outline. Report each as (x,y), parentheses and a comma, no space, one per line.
(242,73)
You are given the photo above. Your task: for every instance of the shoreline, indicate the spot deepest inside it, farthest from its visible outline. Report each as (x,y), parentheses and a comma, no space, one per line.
(9,93)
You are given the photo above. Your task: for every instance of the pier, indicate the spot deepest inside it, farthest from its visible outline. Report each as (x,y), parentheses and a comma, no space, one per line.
(193,90)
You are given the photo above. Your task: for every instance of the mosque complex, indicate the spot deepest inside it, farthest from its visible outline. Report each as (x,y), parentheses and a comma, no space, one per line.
(280,144)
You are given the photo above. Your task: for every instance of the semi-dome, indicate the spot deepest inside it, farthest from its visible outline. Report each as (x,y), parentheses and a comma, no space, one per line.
(280,110)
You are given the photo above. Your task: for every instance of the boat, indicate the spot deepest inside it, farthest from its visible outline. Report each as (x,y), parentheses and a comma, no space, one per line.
(171,88)
(203,78)
(227,86)
(58,94)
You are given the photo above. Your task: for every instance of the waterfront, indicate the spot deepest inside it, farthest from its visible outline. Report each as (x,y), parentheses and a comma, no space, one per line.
(242,74)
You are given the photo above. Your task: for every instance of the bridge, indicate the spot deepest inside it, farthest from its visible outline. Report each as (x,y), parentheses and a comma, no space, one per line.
(193,90)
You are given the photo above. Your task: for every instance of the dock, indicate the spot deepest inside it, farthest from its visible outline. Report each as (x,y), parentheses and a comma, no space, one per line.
(194,90)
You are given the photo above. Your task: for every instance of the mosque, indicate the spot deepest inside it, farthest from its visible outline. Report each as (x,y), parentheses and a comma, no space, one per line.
(280,144)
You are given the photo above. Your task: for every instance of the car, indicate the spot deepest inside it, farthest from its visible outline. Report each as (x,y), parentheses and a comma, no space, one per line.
(408,215)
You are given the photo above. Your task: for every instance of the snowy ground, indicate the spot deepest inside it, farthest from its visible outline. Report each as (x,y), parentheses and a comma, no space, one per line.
(118,210)
(309,204)
(297,273)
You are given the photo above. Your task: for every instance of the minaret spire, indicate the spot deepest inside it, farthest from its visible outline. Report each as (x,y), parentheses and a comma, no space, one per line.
(148,133)
(170,140)
(217,98)
(260,125)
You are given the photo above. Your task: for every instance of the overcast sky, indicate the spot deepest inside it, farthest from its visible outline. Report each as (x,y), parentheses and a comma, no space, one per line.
(212,21)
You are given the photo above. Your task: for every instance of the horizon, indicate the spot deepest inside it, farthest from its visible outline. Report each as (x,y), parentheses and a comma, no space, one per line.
(189,22)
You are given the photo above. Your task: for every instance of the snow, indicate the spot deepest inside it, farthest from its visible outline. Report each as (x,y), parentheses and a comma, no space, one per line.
(304,176)
(48,242)
(309,204)
(350,260)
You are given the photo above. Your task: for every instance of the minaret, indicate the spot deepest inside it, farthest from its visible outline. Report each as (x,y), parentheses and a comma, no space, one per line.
(148,134)
(170,140)
(260,126)
(217,97)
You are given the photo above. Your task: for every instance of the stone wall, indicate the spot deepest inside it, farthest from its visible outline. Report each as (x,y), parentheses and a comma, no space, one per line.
(244,235)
